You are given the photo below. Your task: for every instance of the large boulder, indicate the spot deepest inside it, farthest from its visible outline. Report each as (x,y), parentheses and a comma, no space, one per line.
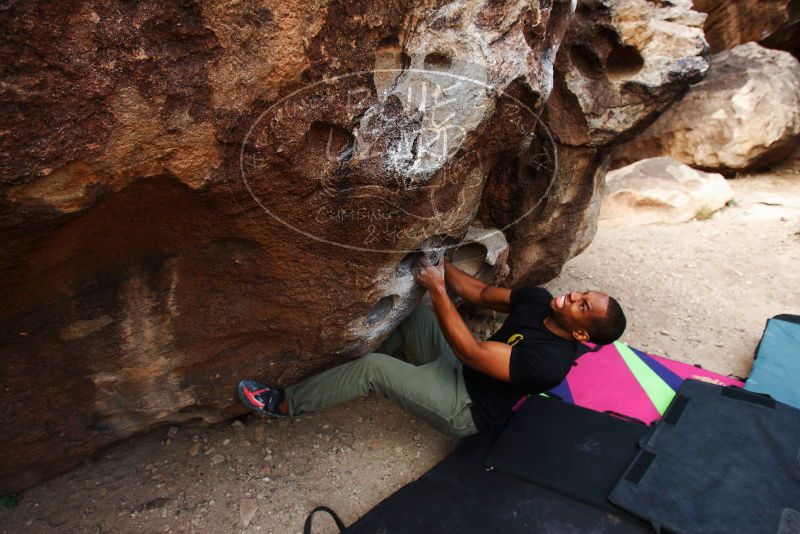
(661,190)
(745,114)
(196,192)
(622,63)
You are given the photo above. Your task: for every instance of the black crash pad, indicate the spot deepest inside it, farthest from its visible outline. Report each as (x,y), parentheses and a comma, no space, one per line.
(720,460)
(566,448)
(460,495)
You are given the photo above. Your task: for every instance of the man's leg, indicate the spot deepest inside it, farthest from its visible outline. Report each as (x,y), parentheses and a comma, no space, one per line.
(434,392)
(420,336)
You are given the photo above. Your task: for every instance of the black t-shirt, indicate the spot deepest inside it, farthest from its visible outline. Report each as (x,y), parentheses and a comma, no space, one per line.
(539,360)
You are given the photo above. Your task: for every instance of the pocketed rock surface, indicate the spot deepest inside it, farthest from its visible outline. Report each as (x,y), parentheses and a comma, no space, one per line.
(698,292)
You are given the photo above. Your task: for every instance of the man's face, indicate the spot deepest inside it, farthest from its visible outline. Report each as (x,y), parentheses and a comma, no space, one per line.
(576,311)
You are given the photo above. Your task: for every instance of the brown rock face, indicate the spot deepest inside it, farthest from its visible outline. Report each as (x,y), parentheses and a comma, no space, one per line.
(193,193)
(771,23)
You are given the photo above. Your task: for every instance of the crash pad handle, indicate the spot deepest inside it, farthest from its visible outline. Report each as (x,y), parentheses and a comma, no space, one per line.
(310,518)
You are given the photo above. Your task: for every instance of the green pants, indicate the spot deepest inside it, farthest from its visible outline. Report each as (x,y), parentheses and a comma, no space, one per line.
(431,387)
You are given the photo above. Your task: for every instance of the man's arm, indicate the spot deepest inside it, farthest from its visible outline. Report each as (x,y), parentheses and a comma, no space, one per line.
(488,357)
(475,291)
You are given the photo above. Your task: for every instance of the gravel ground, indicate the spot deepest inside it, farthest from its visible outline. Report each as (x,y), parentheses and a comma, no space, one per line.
(698,292)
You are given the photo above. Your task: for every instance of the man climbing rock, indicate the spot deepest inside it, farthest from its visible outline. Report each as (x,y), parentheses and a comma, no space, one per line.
(457,384)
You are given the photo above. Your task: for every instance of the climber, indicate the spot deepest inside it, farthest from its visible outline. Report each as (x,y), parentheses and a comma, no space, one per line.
(457,384)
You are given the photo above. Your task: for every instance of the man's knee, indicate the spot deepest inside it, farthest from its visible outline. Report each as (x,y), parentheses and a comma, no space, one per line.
(373,362)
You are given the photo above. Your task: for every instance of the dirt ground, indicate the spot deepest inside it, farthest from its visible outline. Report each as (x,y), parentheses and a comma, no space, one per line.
(698,292)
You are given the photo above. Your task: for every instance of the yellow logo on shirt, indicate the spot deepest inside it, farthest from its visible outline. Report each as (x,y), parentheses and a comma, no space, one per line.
(514,339)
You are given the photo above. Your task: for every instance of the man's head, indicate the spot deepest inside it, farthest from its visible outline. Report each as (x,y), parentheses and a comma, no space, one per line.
(589,316)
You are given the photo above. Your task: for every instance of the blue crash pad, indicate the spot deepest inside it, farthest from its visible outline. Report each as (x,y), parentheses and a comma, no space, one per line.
(776,369)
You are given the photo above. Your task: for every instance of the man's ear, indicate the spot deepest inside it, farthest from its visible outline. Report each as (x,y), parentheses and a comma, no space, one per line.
(580,335)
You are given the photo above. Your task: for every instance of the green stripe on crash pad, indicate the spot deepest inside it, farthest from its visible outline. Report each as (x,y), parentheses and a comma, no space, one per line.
(659,391)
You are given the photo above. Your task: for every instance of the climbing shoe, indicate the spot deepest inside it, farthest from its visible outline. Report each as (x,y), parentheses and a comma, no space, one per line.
(261,398)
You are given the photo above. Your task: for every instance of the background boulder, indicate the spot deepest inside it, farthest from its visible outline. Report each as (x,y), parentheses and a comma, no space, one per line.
(745,114)
(661,190)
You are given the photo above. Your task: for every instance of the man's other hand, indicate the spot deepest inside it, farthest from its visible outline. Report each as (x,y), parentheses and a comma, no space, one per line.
(427,275)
